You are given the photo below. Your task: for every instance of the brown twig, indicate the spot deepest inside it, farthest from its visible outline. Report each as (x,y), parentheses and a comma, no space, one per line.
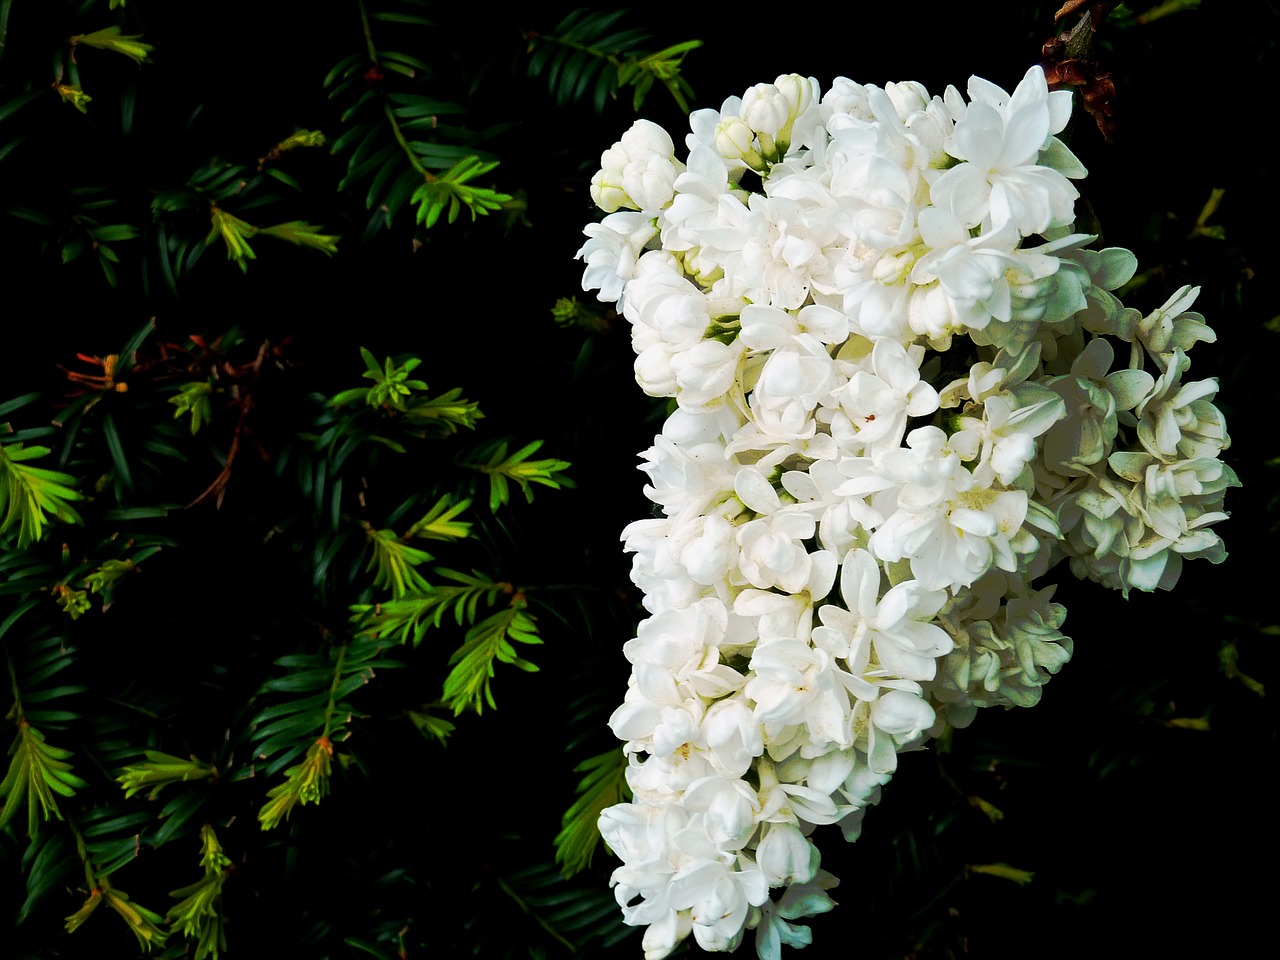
(244,403)
(1069,62)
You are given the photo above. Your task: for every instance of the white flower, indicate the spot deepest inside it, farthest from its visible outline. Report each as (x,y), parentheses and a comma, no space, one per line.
(786,856)
(611,252)
(799,900)
(638,171)
(952,530)
(1002,140)
(895,628)
(1172,406)
(875,405)
(878,377)
(717,898)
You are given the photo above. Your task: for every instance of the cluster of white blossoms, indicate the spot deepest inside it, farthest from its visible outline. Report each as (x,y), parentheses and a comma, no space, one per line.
(898,402)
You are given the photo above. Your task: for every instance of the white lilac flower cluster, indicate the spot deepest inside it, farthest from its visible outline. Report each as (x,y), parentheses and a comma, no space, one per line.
(898,403)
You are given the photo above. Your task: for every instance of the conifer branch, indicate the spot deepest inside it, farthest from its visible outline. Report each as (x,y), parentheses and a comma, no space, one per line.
(31,496)
(603,785)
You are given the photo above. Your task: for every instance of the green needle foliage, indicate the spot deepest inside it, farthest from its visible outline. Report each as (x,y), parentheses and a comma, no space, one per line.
(504,469)
(198,913)
(593,54)
(356,482)
(393,562)
(391,384)
(467,687)
(451,192)
(31,496)
(603,784)
(142,922)
(37,771)
(305,782)
(250,592)
(159,770)
(194,400)
(111,38)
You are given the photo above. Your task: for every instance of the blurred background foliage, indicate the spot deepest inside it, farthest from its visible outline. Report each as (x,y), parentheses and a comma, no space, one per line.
(310,591)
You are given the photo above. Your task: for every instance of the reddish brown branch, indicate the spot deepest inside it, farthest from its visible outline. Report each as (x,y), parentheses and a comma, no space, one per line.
(1069,62)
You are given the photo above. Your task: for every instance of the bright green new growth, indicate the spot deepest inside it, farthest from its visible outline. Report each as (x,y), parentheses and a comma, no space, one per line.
(306,782)
(394,394)
(75,603)
(439,524)
(160,770)
(194,399)
(111,38)
(391,384)
(143,923)
(30,496)
(236,234)
(108,574)
(410,617)
(38,771)
(489,641)
(393,562)
(198,914)
(519,469)
(303,234)
(452,191)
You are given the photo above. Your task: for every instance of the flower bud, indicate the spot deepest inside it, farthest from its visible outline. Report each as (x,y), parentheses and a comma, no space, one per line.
(765,109)
(785,856)
(736,141)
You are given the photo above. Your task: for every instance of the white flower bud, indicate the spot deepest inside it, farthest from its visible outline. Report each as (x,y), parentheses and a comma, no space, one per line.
(736,141)
(798,92)
(765,109)
(785,856)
